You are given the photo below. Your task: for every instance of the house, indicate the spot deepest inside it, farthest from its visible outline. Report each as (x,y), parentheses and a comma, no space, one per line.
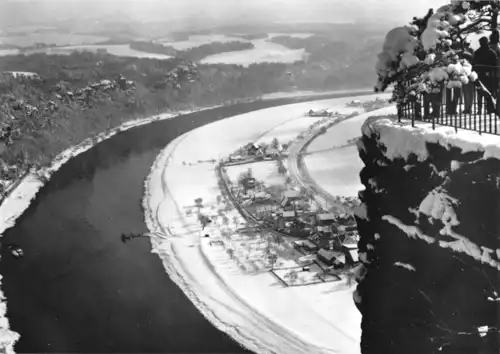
(271,152)
(351,239)
(319,113)
(325,219)
(309,259)
(284,202)
(262,196)
(279,223)
(351,255)
(325,223)
(306,245)
(235,158)
(289,215)
(292,194)
(251,148)
(330,258)
(326,230)
(260,153)
(325,240)
(289,197)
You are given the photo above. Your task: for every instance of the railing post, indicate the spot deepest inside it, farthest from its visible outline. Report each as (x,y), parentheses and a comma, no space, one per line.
(474,105)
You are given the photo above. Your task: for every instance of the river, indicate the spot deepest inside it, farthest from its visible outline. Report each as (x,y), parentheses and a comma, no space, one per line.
(79,288)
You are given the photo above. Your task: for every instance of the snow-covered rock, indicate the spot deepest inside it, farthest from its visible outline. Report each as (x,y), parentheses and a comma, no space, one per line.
(429,241)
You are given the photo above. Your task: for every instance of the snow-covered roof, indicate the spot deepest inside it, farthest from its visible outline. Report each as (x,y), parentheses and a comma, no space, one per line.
(354,254)
(403,140)
(271,149)
(323,228)
(252,146)
(323,217)
(327,254)
(351,246)
(309,257)
(291,193)
(305,243)
(262,195)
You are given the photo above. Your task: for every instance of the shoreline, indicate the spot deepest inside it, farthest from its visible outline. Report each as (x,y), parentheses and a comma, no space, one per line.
(22,191)
(190,248)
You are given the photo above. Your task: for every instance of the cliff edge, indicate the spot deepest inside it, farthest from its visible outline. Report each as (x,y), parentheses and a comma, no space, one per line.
(430,228)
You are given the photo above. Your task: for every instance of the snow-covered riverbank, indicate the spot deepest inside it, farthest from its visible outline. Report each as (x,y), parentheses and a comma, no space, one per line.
(253,309)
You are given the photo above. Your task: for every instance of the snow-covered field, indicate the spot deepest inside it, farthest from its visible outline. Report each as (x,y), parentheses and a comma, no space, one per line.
(264,51)
(199,40)
(288,131)
(254,309)
(5,52)
(296,35)
(262,171)
(336,169)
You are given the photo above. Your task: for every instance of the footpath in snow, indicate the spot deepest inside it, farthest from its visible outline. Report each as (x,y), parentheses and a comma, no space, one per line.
(255,309)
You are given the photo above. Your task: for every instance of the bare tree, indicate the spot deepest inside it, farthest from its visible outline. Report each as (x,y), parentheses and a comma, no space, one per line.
(272,258)
(198,203)
(292,276)
(275,143)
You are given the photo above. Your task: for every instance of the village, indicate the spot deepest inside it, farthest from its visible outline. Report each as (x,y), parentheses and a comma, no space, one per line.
(285,231)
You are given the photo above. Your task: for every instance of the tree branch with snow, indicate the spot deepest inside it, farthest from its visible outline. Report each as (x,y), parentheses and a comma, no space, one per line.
(429,54)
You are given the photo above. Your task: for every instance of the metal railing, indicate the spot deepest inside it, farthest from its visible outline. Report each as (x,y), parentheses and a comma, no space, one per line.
(468,107)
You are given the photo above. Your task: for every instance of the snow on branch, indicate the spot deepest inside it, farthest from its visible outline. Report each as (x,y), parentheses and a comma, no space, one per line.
(429,54)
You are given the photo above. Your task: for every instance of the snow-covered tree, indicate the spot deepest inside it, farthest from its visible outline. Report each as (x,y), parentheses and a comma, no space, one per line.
(429,52)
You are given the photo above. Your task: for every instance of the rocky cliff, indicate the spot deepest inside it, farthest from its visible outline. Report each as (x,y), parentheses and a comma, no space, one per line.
(430,230)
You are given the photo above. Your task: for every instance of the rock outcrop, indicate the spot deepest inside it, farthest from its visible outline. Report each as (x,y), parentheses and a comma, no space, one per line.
(429,240)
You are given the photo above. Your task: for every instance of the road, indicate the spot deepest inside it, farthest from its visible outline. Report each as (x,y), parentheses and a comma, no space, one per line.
(299,174)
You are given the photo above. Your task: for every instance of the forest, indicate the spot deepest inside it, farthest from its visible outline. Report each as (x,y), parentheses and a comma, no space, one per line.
(40,118)
(192,54)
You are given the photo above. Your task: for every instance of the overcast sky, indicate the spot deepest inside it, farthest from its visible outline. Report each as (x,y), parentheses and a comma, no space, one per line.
(392,11)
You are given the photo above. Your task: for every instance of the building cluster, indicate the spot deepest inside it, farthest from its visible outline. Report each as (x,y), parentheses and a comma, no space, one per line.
(257,152)
(331,237)
(328,237)
(321,113)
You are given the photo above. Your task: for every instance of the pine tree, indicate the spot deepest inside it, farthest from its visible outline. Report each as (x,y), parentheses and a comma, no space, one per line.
(429,51)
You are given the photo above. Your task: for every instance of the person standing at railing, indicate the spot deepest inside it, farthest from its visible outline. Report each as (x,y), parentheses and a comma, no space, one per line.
(468,88)
(432,98)
(495,46)
(452,97)
(484,64)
